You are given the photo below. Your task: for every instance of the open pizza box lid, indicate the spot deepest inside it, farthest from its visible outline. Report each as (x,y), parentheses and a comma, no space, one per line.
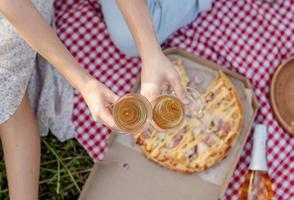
(126,174)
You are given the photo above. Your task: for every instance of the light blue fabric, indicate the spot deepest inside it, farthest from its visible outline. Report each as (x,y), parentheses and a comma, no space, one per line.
(168,16)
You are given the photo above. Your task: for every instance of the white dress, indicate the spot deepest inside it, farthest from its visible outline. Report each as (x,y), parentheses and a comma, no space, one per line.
(22,68)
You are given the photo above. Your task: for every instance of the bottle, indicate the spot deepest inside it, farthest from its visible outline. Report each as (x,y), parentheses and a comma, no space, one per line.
(257,184)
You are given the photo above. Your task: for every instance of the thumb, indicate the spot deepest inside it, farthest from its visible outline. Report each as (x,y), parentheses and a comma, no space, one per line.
(111,97)
(106,117)
(150,91)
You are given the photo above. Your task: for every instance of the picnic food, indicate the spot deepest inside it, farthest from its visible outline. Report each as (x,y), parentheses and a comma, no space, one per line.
(131,113)
(203,139)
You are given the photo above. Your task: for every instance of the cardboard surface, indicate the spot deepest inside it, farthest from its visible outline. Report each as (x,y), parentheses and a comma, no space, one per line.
(143,179)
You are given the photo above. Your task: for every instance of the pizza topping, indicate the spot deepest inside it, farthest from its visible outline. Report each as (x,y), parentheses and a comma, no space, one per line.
(207,119)
(221,134)
(139,141)
(212,124)
(209,97)
(177,139)
(155,144)
(225,127)
(193,163)
(170,145)
(218,125)
(189,153)
(209,140)
(197,130)
(147,134)
(185,129)
(218,91)
(215,125)
(162,154)
(202,149)
(161,136)
(196,149)
(235,115)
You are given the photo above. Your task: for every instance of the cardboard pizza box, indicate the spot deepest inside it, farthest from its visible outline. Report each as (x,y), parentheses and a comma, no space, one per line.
(126,174)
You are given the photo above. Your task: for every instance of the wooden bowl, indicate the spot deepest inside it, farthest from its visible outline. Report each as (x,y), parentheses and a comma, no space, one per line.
(282,95)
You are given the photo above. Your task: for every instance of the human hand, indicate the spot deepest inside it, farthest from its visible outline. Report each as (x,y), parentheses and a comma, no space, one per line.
(157,73)
(99,100)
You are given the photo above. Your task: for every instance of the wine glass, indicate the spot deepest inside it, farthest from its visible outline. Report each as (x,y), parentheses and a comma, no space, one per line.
(132,113)
(168,112)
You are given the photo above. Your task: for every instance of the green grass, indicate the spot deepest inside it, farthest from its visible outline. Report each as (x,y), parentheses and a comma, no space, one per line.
(64,170)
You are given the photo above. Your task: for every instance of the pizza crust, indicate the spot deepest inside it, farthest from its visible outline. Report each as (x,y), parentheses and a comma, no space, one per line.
(201,141)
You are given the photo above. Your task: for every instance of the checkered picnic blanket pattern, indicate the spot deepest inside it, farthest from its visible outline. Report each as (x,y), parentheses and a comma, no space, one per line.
(248,37)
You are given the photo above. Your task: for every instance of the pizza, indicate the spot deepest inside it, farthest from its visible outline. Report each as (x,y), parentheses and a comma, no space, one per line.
(202,140)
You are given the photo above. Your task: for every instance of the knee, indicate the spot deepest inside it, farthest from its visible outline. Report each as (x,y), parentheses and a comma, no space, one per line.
(124,41)
(118,28)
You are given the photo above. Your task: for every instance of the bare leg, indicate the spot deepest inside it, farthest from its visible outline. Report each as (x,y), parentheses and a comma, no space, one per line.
(21,145)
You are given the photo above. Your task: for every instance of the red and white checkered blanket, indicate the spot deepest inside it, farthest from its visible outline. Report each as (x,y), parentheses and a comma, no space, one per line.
(249,37)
